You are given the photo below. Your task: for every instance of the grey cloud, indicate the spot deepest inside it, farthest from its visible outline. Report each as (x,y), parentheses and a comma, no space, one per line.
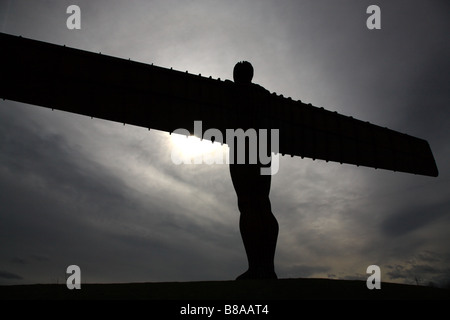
(81,209)
(305,271)
(421,275)
(30,259)
(17,260)
(424,268)
(413,218)
(9,275)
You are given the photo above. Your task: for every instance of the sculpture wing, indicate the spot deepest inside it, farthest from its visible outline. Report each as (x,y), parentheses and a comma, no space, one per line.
(125,91)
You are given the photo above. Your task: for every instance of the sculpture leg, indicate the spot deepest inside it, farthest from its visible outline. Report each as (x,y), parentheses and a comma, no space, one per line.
(257,224)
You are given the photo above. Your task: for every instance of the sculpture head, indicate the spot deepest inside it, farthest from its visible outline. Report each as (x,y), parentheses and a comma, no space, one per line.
(243,72)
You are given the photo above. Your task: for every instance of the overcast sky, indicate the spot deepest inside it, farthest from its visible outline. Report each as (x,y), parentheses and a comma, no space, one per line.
(108,198)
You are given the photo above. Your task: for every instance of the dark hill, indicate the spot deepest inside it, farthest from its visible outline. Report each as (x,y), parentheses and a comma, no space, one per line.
(283,289)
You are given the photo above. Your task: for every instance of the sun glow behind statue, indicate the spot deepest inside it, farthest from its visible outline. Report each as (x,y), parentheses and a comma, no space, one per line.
(193,150)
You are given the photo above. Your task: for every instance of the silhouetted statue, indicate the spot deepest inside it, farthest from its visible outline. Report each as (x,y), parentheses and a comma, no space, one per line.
(148,96)
(257,224)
